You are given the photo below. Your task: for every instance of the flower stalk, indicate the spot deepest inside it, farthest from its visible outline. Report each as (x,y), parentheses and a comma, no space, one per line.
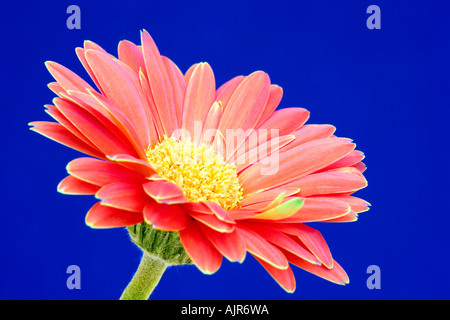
(161,249)
(145,279)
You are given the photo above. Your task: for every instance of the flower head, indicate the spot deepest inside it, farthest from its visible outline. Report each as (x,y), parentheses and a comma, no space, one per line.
(222,168)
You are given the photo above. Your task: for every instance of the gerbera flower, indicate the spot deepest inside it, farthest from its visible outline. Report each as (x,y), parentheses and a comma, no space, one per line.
(222,169)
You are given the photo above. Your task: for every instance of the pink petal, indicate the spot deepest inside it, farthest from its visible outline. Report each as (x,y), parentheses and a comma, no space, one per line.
(212,122)
(124,195)
(329,182)
(315,242)
(285,278)
(358,205)
(67,79)
(350,217)
(165,217)
(212,222)
(87,101)
(58,116)
(200,93)
(245,157)
(201,251)
(100,216)
(319,209)
(243,110)
(81,56)
(266,198)
(283,241)
(159,84)
(228,244)
(311,238)
(74,186)
(94,104)
(100,173)
(275,96)
(56,88)
(121,86)
(282,211)
(58,133)
(154,113)
(100,135)
(178,85)
(262,249)
(131,55)
(224,93)
(309,133)
(218,211)
(188,74)
(286,120)
(164,192)
(349,160)
(123,123)
(88,44)
(335,274)
(133,163)
(297,162)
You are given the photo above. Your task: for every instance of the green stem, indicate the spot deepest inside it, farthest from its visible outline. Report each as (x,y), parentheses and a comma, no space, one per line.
(146,278)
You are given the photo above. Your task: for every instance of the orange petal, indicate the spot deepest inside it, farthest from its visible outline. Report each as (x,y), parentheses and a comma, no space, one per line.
(58,116)
(131,55)
(285,278)
(159,83)
(165,217)
(100,217)
(297,162)
(201,251)
(74,186)
(286,120)
(224,93)
(99,133)
(164,192)
(244,108)
(123,195)
(200,93)
(309,133)
(274,99)
(228,244)
(100,173)
(212,222)
(315,242)
(121,86)
(67,79)
(311,239)
(349,160)
(329,182)
(283,241)
(58,133)
(335,274)
(178,85)
(212,122)
(282,211)
(262,249)
(133,163)
(319,209)
(358,205)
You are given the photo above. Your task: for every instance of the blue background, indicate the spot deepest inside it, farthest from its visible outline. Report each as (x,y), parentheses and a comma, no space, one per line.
(387,89)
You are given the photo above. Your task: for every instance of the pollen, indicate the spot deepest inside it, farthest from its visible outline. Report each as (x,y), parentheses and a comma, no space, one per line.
(198,170)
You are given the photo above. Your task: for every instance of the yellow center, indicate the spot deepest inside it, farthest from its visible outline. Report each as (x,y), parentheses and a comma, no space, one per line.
(202,174)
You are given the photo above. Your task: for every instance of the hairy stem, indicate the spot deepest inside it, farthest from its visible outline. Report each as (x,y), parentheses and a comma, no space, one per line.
(145,279)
